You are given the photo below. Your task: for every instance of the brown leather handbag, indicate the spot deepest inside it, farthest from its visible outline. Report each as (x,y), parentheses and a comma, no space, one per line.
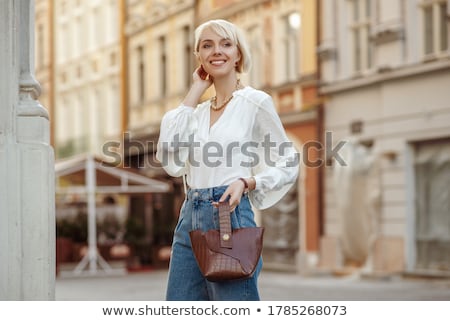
(225,254)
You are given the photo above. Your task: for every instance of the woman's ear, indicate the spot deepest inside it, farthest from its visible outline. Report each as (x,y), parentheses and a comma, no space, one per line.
(239,58)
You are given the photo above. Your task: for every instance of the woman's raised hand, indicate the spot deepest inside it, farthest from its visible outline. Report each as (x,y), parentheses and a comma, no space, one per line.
(201,82)
(200,76)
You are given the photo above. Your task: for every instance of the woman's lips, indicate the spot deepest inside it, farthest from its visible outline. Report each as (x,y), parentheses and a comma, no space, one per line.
(217,62)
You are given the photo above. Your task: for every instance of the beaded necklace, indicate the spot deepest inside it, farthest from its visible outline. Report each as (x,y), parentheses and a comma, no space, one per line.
(214,99)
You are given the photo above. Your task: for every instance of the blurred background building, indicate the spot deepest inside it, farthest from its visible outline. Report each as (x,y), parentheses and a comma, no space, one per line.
(368,78)
(385,75)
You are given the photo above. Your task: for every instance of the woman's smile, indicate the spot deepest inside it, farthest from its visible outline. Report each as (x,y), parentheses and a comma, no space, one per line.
(217,62)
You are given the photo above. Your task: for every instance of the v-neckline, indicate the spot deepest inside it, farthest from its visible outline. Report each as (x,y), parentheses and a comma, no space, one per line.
(211,126)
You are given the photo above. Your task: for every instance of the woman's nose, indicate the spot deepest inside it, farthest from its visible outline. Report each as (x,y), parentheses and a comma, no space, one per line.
(217,49)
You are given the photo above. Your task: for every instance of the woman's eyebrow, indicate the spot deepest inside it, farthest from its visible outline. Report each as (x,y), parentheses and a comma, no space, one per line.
(206,40)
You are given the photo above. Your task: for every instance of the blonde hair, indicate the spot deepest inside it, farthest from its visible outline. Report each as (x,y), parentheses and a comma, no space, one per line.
(227,30)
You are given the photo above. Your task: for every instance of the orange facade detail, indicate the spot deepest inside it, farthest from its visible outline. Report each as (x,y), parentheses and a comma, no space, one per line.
(309,155)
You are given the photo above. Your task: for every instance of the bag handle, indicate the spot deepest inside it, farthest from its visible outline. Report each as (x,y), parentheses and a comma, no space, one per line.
(225,225)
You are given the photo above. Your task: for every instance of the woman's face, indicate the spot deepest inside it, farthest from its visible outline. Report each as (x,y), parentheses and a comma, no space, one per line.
(219,56)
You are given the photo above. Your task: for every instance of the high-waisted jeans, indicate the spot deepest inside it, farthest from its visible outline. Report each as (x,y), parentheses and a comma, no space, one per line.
(186,283)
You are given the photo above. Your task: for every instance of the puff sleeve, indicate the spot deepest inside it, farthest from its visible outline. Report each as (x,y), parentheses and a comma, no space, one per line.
(277,167)
(177,128)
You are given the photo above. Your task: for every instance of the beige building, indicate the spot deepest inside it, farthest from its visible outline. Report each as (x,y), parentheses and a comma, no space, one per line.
(43,60)
(160,60)
(86,71)
(385,74)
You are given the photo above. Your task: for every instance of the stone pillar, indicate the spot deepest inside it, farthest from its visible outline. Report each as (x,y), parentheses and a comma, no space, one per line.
(27,203)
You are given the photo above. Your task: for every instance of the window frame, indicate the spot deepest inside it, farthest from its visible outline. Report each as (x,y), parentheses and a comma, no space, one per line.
(362,17)
(291,48)
(433,46)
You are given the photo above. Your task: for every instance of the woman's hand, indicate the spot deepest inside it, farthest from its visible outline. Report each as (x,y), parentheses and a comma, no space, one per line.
(234,191)
(201,82)
(202,78)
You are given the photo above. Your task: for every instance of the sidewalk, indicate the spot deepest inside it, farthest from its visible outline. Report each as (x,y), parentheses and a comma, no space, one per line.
(274,286)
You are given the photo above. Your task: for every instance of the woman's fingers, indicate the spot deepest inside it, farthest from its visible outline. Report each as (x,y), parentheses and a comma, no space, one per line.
(202,76)
(234,193)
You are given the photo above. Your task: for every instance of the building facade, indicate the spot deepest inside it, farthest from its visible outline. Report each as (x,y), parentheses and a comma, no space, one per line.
(43,56)
(385,78)
(86,74)
(160,60)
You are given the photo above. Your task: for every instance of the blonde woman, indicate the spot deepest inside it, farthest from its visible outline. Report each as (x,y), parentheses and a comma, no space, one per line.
(232,148)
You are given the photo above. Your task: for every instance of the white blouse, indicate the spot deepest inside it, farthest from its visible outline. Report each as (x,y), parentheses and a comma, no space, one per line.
(247,140)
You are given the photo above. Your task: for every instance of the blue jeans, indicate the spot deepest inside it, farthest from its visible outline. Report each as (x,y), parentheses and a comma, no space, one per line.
(186,283)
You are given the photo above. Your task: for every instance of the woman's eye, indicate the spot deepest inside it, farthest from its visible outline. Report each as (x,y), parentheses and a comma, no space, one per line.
(205,46)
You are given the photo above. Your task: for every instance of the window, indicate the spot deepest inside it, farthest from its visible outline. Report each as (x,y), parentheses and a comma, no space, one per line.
(79,71)
(40,46)
(292,24)
(94,65)
(65,123)
(362,45)
(141,73)
(257,71)
(112,59)
(163,66)
(100,118)
(63,8)
(113,31)
(79,36)
(97,26)
(432,200)
(81,123)
(188,69)
(443,29)
(112,119)
(63,43)
(63,77)
(435,32)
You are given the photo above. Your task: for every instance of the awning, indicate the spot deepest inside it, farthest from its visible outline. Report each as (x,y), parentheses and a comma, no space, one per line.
(108,179)
(90,175)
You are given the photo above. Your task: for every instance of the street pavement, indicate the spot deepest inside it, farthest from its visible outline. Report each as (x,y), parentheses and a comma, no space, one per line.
(274,286)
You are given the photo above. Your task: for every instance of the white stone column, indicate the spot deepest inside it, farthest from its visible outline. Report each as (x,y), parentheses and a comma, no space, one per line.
(27,202)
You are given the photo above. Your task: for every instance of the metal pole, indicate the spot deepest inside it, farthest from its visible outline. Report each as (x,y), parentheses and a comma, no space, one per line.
(92,224)
(92,257)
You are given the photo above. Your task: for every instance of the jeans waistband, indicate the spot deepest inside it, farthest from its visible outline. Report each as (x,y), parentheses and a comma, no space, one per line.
(206,194)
